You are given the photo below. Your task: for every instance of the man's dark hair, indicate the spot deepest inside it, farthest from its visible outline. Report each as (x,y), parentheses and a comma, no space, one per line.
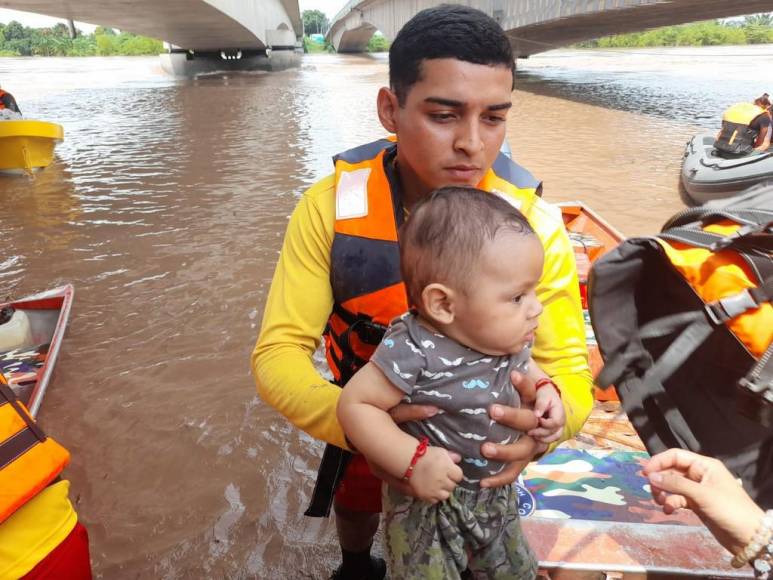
(443,237)
(446,31)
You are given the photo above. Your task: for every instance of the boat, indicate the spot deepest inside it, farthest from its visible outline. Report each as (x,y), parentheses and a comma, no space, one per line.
(31,332)
(707,176)
(26,145)
(586,509)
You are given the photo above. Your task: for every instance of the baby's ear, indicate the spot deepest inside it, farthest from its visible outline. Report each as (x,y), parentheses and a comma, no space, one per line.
(438,302)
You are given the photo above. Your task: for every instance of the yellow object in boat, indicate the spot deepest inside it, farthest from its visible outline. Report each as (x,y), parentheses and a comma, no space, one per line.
(27,144)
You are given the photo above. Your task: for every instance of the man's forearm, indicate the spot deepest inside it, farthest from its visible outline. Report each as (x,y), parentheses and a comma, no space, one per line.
(287,380)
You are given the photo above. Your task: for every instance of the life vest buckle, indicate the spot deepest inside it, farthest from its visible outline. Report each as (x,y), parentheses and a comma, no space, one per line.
(368,331)
(765,390)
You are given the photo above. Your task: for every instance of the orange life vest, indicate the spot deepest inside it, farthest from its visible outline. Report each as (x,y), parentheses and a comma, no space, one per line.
(29,460)
(368,290)
(2,94)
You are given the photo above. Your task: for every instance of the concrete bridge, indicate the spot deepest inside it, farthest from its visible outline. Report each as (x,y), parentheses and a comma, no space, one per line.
(537,25)
(221,33)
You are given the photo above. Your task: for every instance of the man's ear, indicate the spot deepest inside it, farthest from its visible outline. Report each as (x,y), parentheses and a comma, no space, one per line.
(438,302)
(387,106)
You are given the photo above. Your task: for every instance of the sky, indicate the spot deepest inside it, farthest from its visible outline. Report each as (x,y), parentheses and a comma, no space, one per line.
(329,7)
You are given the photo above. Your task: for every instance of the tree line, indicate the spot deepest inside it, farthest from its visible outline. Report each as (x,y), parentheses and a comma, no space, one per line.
(755,29)
(19,40)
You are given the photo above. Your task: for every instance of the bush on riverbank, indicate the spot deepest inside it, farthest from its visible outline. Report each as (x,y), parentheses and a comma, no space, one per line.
(752,30)
(312,45)
(19,40)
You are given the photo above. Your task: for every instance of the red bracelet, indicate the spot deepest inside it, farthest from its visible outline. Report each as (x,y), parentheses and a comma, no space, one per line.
(421,449)
(543,382)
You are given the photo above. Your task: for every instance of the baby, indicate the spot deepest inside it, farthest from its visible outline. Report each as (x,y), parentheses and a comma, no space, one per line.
(471,263)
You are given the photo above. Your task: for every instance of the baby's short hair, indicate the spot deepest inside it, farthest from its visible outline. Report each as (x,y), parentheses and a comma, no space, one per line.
(445,234)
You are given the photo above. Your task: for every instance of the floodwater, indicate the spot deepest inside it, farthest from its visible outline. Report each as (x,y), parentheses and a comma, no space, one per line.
(166,208)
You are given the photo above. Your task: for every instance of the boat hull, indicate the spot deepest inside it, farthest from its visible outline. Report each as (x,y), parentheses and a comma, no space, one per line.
(28,368)
(28,145)
(706,176)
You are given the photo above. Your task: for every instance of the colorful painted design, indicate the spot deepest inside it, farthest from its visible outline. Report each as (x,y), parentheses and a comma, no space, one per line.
(21,366)
(596,485)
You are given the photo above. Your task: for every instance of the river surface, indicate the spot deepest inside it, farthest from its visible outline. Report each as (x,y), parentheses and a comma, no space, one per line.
(166,208)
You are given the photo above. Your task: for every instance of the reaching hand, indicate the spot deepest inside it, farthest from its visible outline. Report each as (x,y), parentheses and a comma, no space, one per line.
(520,453)
(683,479)
(550,411)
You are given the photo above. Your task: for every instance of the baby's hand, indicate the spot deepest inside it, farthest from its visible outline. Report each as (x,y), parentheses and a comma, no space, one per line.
(435,476)
(550,413)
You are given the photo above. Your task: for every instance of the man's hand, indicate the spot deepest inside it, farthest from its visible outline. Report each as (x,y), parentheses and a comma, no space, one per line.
(405,412)
(520,453)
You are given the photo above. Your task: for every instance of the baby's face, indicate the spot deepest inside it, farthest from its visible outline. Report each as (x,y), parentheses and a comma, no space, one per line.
(498,313)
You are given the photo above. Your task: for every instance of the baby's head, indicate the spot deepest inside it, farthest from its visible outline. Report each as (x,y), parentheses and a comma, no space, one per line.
(471,263)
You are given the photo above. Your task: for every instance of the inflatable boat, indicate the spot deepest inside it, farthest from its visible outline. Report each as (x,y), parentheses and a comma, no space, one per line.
(706,176)
(27,145)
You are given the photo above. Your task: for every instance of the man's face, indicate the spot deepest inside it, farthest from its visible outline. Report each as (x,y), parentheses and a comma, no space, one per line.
(452,124)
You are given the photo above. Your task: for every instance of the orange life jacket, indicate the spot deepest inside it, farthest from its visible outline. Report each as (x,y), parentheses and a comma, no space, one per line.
(2,94)
(29,460)
(368,290)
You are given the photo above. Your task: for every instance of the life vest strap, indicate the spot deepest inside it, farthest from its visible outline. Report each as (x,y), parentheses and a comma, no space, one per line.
(17,445)
(331,471)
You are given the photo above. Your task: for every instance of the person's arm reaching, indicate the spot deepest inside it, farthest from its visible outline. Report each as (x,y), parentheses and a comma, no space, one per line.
(683,479)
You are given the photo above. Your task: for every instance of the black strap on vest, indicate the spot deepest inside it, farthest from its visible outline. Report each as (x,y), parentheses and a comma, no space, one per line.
(334,459)
(20,442)
(757,390)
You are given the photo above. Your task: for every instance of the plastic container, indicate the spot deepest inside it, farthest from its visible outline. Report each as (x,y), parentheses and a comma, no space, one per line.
(16,333)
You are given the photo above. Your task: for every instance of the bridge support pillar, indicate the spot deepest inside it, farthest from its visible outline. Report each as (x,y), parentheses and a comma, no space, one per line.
(185,64)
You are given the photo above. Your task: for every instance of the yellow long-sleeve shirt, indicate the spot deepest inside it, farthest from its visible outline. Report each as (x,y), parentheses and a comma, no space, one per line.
(301,299)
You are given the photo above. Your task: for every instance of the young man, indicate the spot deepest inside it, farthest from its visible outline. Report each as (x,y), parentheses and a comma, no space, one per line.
(451,77)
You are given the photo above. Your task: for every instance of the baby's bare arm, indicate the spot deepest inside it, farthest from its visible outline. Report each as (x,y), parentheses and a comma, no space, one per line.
(363,413)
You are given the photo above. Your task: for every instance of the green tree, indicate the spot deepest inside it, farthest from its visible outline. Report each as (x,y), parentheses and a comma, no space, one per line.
(104,31)
(314,22)
(60,29)
(14,31)
(764,19)
(378,43)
